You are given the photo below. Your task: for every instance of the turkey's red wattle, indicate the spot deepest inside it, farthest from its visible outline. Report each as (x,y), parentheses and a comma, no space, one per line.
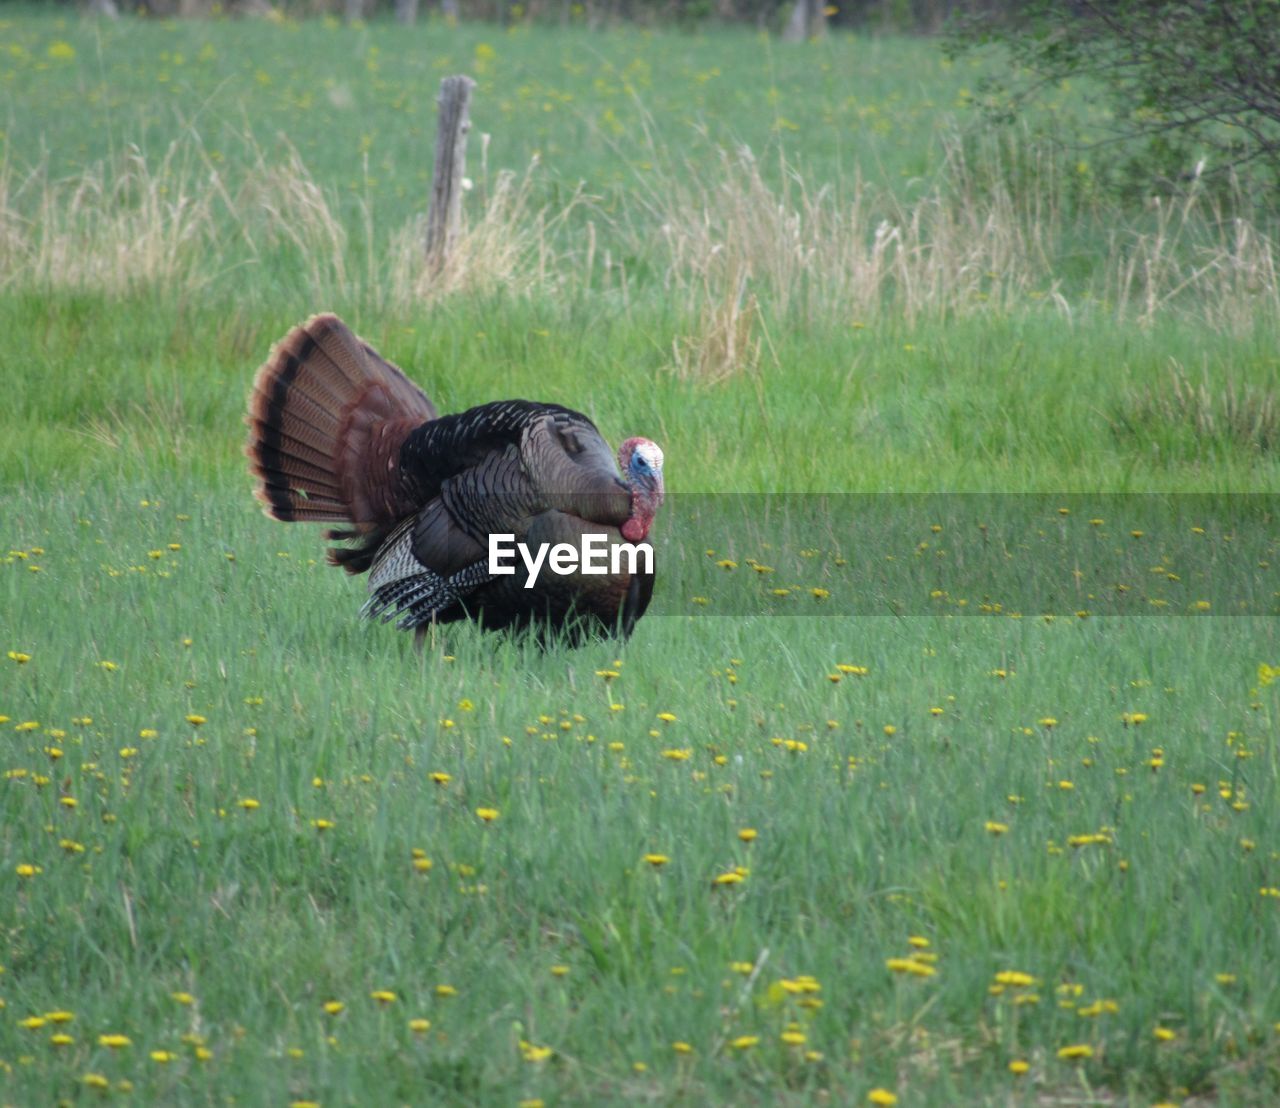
(635,529)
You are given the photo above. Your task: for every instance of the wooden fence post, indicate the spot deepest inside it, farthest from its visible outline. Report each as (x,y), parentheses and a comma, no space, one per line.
(445,213)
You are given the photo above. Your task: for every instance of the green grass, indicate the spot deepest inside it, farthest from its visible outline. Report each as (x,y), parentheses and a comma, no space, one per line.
(130,538)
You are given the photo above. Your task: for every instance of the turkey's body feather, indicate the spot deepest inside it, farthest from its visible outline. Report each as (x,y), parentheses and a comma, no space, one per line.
(339,434)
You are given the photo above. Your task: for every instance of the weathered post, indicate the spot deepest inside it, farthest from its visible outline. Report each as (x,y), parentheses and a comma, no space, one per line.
(445,213)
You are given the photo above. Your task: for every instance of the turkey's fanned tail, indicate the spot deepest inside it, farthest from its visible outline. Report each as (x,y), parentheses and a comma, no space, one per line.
(327,417)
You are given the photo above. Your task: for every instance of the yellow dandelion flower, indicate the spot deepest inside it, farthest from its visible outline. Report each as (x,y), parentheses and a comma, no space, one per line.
(19,657)
(656,860)
(162,1056)
(1015,979)
(747,834)
(1075,1051)
(27,869)
(733,877)
(419,1026)
(183,998)
(95,1081)
(681,1047)
(488,815)
(441,778)
(115,1041)
(61,1039)
(446,991)
(383,996)
(910,966)
(1164,1034)
(794,1038)
(195,720)
(533,1053)
(1018,1067)
(33,1023)
(248,804)
(882,1097)
(744,1042)
(994,828)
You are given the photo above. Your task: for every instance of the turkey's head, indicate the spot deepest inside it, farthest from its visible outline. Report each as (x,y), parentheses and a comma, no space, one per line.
(641,462)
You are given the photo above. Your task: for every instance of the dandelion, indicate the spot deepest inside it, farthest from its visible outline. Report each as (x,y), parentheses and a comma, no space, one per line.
(423,864)
(559,971)
(1165,1034)
(446,991)
(61,1039)
(419,1026)
(1075,1051)
(882,1097)
(383,996)
(27,869)
(747,834)
(1018,1067)
(115,1041)
(733,877)
(33,1023)
(164,1057)
(95,1081)
(1015,979)
(248,804)
(994,828)
(744,1042)
(19,657)
(794,1038)
(196,721)
(533,1053)
(323,824)
(488,815)
(441,778)
(1225,978)
(681,1047)
(912,967)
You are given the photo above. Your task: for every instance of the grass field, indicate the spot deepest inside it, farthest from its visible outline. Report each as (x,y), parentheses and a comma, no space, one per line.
(931,788)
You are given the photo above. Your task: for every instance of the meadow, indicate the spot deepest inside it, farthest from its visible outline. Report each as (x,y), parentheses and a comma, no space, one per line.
(944,769)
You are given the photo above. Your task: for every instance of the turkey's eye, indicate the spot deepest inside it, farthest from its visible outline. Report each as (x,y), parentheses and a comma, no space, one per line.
(570,442)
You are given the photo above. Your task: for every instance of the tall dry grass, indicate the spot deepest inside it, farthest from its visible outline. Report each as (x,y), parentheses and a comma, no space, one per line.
(737,243)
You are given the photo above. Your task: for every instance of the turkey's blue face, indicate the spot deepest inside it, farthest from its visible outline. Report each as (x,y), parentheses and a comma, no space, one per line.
(645,469)
(642,461)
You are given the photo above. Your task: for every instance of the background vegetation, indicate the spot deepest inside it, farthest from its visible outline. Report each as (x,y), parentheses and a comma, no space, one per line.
(996,856)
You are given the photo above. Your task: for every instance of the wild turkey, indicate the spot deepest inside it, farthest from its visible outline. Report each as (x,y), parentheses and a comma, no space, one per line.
(339,434)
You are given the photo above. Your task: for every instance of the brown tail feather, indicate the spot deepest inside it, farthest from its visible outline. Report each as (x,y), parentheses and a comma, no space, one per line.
(327,415)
